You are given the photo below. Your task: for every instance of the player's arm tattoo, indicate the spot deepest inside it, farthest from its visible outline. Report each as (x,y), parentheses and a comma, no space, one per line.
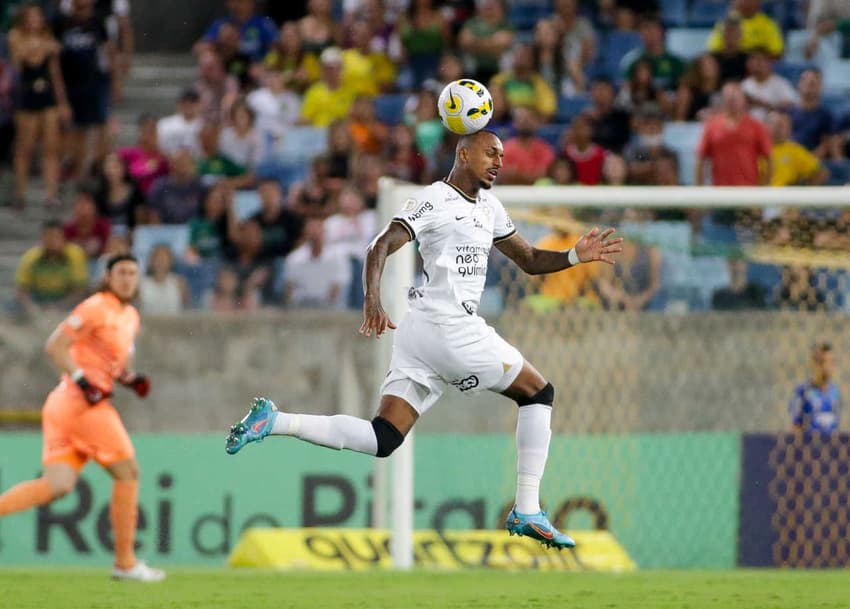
(391,239)
(530,259)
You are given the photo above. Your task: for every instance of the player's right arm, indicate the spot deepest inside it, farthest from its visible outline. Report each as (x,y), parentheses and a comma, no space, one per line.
(388,242)
(58,348)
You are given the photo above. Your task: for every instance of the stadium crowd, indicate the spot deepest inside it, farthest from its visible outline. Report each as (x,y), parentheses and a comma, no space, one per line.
(260,188)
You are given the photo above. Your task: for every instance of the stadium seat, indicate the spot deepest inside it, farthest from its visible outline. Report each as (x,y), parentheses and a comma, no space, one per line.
(524,14)
(146,237)
(246,203)
(303,143)
(683,138)
(287,173)
(705,13)
(687,43)
(828,49)
(569,107)
(552,134)
(389,109)
(791,70)
(776,10)
(616,46)
(836,76)
(674,13)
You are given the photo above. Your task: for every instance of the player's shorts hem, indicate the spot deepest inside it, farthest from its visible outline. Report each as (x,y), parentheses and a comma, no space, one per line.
(75,460)
(509,377)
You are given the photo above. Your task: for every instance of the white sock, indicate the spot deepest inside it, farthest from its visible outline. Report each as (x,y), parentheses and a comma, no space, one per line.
(338,431)
(532,448)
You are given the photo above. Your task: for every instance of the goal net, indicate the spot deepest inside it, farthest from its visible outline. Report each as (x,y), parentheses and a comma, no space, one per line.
(662,364)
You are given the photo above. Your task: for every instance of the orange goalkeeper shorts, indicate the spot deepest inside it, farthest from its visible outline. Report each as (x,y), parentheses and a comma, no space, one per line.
(75,431)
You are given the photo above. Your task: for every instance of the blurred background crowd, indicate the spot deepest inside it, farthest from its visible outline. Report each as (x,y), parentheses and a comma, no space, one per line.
(259,189)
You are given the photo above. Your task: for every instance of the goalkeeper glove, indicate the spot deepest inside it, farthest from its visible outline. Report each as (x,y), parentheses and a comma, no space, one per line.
(139,383)
(93,394)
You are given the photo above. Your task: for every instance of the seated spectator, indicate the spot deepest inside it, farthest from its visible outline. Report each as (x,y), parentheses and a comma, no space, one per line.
(316,275)
(236,64)
(561,172)
(424,33)
(364,70)
(524,86)
(353,227)
(698,89)
(428,127)
(647,147)
(215,167)
(299,68)
(611,125)
(145,162)
(216,89)
(402,158)
(615,170)
(811,123)
(161,290)
(311,198)
(666,68)
(118,243)
(367,132)
(383,24)
(740,294)
(502,110)
(275,107)
(208,232)
(729,55)
(570,289)
(318,29)
(632,283)
(765,90)
(176,198)
(256,32)
(757,30)
(527,156)
(240,140)
(117,195)
(85,227)
(52,274)
(586,156)
(577,44)
(793,165)
(340,152)
(824,18)
(639,90)
(551,63)
(280,227)
(181,129)
(253,270)
(327,100)
(227,295)
(450,69)
(369,170)
(485,38)
(816,403)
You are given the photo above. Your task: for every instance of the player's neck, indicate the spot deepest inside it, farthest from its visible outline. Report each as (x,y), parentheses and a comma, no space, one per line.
(468,185)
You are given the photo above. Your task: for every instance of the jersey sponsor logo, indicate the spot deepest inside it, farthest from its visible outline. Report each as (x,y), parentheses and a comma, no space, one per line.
(465,384)
(471,260)
(423,209)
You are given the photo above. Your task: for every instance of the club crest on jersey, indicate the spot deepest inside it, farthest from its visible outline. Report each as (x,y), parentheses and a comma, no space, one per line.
(423,209)
(465,384)
(409,205)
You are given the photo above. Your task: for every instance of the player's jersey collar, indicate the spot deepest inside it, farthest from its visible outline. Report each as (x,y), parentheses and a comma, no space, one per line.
(459,191)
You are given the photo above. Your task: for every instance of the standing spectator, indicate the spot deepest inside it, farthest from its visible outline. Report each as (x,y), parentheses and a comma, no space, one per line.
(577,41)
(256,33)
(485,38)
(118,197)
(317,275)
(176,198)
(730,57)
(403,159)
(299,68)
(367,132)
(816,404)
(643,154)
(318,29)
(161,290)
(145,163)
(85,227)
(811,123)
(527,156)
(765,90)
(52,274)
(633,282)
(85,42)
(240,140)
(640,90)
(792,164)
(524,86)
(586,156)
(424,34)
(216,88)
(735,143)
(757,30)
(365,70)
(698,89)
(666,67)
(181,129)
(41,103)
(280,227)
(7,110)
(214,167)
(611,125)
(824,18)
(327,100)
(275,107)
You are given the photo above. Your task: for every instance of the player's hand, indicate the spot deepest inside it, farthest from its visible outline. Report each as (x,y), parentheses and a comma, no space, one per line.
(93,394)
(593,246)
(139,383)
(375,318)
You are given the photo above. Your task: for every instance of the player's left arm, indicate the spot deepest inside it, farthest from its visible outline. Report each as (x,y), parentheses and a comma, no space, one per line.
(594,246)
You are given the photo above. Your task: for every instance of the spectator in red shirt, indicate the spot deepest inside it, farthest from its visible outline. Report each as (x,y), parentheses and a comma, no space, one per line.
(145,163)
(734,142)
(85,227)
(527,156)
(587,157)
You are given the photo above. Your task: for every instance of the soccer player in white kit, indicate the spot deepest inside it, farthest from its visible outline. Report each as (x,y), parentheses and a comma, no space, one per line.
(442,342)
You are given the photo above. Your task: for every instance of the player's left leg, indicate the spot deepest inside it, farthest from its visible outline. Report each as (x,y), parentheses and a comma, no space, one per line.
(534,396)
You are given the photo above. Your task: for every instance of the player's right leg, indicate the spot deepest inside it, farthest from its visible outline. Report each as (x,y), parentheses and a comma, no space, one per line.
(57,480)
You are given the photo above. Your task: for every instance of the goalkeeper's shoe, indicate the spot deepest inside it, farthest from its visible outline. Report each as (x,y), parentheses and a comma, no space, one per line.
(253,427)
(537,526)
(139,572)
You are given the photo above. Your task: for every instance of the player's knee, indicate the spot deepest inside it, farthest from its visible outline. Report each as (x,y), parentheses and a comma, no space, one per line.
(388,436)
(61,486)
(545,396)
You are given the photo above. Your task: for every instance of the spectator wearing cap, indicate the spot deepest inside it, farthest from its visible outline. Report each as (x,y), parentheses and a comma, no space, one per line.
(730,56)
(764,89)
(812,125)
(145,162)
(757,29)
(792,163)
(667,68)
(256,32)
(527,156)
(327,100)
(485,38)
(53,273)
(181,129)
(524,86)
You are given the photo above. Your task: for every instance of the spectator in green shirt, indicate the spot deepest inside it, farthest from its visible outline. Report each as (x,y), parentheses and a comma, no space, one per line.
(666,67)
(52,274)
(484,39)
(214,167)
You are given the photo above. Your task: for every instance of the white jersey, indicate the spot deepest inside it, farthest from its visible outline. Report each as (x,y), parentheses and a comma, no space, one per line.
(455,233)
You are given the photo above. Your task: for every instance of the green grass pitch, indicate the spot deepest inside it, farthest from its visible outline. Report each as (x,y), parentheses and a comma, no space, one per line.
(235,589)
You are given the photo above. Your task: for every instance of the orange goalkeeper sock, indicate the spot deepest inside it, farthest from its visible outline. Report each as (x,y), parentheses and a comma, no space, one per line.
(123,512)
(25,495)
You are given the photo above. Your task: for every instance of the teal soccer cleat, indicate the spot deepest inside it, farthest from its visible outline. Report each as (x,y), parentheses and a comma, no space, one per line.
(253,427)
(537,526)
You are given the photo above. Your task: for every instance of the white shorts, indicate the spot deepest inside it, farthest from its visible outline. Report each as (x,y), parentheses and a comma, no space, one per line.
(428,358)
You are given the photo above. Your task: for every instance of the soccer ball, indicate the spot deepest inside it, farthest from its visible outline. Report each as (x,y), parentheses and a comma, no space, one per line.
(465,106)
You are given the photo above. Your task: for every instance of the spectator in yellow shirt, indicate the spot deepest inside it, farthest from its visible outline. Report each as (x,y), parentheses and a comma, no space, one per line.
(54,273)
(364,70)
(792,163)
(328,99)
(525,86)
(758,30)
(573,288)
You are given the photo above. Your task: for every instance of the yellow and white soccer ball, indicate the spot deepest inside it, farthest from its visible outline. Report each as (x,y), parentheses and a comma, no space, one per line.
(465,106)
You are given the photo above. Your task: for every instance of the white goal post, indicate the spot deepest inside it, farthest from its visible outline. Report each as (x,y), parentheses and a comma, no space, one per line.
(399,275)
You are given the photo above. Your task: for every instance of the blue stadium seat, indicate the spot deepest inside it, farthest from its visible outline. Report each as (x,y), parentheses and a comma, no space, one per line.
(287,173)
(839,172)
(389,109)
(674,13)
(828,49)
(684,138)
(303,143)
(569,107)
(836,76)
(791,70)
(776,10)
(552,134)
(246,203)
(615,46)
(146,237)
(687,43)
(705,13)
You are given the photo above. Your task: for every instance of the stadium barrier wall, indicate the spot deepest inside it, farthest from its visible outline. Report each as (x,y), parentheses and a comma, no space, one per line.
(670,500)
